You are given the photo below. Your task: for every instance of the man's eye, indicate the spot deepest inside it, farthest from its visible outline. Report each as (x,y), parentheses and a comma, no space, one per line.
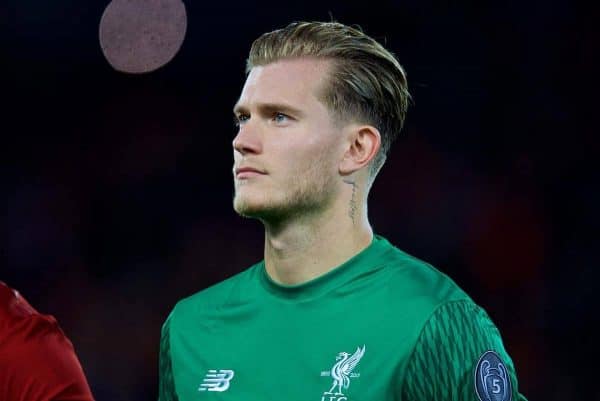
(280,117)
(240,119)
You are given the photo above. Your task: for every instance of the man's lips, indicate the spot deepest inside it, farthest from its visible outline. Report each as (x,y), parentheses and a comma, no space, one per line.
(247,172)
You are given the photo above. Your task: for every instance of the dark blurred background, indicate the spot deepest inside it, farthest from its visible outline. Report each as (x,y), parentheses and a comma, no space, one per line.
(116,188)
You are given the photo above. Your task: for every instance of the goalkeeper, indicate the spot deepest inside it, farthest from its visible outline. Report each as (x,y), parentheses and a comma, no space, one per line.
(333,312)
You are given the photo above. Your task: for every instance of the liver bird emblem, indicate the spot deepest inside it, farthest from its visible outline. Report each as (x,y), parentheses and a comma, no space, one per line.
(343,368)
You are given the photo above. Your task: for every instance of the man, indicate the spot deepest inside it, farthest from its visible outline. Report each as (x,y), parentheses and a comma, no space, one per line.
(333,312)
(37,360)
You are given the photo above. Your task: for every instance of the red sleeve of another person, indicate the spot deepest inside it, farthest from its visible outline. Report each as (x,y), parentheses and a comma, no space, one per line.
(37,360)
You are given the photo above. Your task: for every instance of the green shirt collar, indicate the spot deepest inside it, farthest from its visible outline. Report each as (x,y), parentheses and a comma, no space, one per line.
(366,260)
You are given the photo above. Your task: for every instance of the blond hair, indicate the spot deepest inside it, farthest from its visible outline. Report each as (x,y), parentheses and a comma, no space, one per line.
(367,84)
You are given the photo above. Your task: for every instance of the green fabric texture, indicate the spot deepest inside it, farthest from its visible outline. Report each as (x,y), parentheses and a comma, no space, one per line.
(442,366)
(366,330)
(166,384)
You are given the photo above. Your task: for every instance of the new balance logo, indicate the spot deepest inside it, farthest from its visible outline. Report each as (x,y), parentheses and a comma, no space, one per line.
(216,380)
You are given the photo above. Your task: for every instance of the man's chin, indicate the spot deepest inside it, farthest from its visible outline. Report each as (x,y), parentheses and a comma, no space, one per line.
(247,209)
(247,212)
(255,210)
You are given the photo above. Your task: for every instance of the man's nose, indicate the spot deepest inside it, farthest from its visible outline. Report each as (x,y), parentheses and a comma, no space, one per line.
(247,139)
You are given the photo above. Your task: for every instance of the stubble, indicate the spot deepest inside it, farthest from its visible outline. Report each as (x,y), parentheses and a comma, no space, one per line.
(304,194)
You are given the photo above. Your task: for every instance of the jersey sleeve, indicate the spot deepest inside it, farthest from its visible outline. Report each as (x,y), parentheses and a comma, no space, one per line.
(459,356)
(166,383)
(41,365)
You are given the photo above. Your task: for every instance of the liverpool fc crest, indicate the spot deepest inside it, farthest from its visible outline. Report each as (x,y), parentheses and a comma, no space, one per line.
(342,372)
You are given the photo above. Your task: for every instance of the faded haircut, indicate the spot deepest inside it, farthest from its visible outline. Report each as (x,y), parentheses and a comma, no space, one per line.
(366,84)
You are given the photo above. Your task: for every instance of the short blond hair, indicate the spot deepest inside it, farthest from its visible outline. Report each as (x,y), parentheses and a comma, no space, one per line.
(367,84)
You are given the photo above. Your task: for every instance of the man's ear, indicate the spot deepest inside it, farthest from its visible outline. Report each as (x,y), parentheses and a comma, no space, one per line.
(363,144)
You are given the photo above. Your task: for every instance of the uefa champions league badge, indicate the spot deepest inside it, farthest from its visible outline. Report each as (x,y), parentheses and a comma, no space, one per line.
(491,378)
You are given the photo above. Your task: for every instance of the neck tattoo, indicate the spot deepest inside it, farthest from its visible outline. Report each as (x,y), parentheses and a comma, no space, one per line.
(352,210)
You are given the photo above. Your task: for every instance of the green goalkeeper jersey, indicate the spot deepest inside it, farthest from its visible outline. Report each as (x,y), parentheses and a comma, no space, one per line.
(383,326)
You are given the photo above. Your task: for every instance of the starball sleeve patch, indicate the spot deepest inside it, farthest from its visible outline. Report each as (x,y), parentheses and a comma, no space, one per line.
(492,382)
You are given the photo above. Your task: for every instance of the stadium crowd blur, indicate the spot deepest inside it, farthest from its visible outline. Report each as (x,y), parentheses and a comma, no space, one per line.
(117,188)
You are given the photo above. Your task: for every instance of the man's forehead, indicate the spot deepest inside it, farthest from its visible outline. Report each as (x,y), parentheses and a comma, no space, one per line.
(285,80)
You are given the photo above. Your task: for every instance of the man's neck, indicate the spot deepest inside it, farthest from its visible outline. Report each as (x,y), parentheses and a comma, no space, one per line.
(299,251)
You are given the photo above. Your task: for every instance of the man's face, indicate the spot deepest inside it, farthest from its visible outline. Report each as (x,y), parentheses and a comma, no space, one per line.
(290,140)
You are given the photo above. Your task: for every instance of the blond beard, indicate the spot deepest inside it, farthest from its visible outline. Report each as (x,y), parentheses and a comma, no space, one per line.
(310,195)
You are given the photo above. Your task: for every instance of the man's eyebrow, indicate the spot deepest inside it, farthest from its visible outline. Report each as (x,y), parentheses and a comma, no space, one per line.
(267,108)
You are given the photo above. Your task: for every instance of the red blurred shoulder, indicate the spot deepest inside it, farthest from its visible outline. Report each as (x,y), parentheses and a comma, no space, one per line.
(36,357)
(16,314)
